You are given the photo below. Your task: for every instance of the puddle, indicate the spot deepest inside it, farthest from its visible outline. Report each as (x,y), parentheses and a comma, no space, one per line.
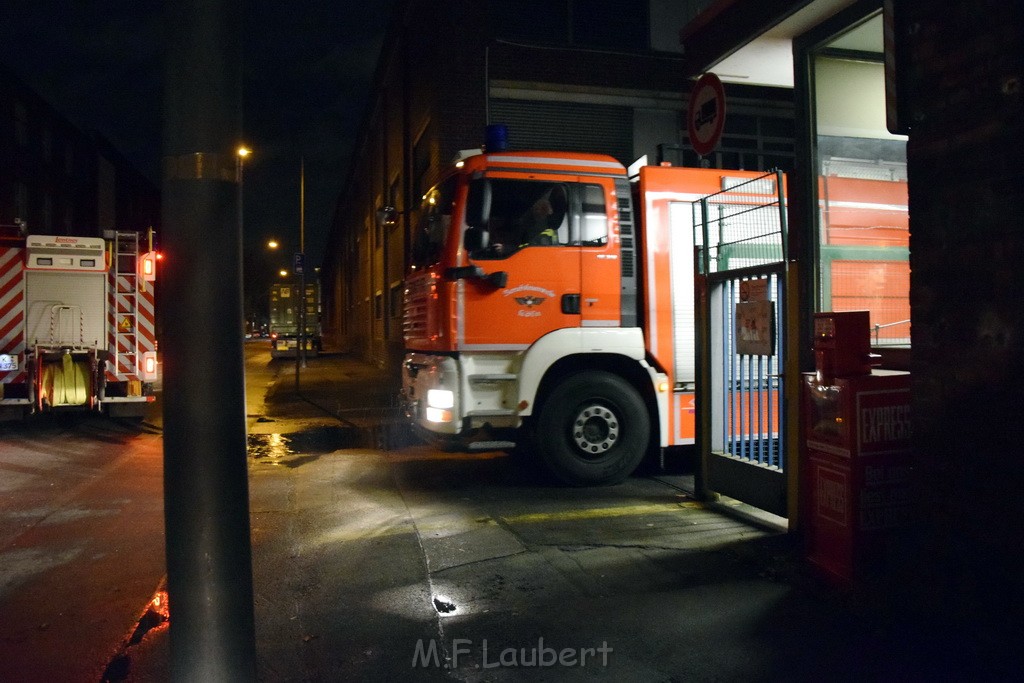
(298,448)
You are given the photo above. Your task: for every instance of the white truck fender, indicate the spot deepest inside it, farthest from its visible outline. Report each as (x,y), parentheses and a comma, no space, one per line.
(552,347)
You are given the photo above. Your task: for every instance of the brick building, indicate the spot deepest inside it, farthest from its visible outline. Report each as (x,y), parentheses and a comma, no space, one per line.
(57,179)
(948,79)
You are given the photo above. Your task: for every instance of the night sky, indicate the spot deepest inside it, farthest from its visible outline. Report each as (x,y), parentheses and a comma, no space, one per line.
(308,68)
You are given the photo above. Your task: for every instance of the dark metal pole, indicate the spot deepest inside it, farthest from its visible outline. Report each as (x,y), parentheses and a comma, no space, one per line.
(300,348)
(206,496)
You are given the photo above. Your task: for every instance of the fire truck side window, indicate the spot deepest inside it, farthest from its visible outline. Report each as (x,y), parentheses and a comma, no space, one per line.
(593,217)
(435,221)
(525,213)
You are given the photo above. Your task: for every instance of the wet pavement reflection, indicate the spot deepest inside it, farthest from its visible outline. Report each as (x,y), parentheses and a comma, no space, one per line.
(295,449)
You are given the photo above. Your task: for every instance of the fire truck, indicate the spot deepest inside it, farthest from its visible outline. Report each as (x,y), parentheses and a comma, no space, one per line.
(543,308)
(77,324)
(550,303)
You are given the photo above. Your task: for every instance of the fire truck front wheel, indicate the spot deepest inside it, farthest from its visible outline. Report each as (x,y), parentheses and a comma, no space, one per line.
(593,429)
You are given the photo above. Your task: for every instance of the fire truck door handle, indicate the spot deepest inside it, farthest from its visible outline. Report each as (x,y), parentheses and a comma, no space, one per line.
(571,304)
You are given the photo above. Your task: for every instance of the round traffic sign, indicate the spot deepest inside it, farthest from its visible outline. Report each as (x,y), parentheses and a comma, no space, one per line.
(706,113)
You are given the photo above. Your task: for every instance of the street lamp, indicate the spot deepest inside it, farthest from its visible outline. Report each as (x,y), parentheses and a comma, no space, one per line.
(242,152)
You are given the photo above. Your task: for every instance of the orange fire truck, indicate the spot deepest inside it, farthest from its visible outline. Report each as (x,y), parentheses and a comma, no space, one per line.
(541,309)
(77,324)
(550,304)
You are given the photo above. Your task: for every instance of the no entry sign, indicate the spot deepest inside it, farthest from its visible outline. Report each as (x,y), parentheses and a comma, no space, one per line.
(706,114)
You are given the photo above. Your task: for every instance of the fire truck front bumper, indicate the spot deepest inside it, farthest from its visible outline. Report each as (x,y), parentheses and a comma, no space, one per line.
(430,392)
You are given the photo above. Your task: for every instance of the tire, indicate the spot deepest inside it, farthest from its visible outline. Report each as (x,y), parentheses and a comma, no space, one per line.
(593,429)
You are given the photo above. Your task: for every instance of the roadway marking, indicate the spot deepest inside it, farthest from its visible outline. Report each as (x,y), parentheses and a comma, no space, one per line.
(597,513)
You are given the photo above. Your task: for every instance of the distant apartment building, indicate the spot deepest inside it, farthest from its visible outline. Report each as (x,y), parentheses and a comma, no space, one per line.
(57,179)
(578,75)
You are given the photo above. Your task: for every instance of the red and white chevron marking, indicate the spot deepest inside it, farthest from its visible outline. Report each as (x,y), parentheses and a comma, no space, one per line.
(126,342)
(12,311)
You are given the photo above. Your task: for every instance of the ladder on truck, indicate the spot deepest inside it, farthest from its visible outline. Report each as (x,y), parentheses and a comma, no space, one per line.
(124,293)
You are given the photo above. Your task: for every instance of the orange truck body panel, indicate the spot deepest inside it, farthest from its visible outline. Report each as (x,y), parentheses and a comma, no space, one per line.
(858,215)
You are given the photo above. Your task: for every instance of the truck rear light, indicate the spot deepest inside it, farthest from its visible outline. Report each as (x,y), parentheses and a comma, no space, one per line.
(147,266)
(148,371)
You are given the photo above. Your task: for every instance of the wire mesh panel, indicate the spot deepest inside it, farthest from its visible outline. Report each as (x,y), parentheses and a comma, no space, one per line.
(746,421)
(741,236)
(741,226)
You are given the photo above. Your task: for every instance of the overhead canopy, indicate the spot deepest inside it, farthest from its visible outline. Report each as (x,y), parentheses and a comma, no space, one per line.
(751,41)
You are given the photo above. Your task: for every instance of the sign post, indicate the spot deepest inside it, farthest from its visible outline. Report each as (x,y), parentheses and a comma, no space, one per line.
(705,115)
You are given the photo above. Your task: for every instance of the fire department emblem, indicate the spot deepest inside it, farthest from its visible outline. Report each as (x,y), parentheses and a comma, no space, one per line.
(530,300)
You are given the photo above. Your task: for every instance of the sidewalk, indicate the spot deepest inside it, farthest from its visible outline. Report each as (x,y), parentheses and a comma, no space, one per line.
(406,564)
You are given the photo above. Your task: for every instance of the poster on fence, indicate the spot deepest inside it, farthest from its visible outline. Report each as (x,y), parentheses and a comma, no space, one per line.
(755,328)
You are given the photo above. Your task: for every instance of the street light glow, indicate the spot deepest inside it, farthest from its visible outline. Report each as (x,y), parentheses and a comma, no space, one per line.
(282,273)
(273,244)
(244,151)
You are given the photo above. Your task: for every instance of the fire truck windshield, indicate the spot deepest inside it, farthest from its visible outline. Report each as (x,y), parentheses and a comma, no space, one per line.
(435,222)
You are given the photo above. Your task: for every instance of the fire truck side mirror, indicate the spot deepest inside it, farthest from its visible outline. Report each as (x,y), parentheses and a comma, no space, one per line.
(475,239)
(498,279)
(478,204)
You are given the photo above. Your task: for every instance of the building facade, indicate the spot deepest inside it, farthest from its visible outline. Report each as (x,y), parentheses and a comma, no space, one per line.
(57,179)
(946,80)
(580,75)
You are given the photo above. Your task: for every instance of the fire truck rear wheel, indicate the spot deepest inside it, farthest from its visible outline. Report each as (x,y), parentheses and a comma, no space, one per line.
(593,429)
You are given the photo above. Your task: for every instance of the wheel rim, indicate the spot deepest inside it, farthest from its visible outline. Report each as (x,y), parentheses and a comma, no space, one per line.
(595,430)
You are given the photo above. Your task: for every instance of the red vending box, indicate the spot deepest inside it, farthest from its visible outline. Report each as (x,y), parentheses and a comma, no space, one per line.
(857,435)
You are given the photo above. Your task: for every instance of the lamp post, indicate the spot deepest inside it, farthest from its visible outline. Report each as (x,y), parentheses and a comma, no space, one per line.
(242,152)
(300,266)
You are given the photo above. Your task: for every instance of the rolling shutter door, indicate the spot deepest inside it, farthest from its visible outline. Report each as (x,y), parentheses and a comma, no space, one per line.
(567,126)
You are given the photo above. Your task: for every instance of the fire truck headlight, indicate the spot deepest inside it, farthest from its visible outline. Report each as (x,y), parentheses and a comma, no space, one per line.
(441,398)
(439,405)
(438,414)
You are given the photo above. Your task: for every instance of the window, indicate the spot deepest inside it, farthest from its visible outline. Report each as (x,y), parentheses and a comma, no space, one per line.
(525,213)
(529,213)
(397,294)
(435,221)
(21,201)
(594,217)
(863,221)
(421,163)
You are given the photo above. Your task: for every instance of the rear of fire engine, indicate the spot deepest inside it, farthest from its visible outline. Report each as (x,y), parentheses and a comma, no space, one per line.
(77,325)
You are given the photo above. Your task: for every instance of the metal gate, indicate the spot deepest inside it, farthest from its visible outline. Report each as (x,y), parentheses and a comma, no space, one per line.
(741,279)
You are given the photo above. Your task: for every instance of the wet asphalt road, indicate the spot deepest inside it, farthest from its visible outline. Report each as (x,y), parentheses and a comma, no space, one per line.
(377,558)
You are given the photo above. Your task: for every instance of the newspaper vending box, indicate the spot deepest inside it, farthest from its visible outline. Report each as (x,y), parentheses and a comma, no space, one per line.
(857,436)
